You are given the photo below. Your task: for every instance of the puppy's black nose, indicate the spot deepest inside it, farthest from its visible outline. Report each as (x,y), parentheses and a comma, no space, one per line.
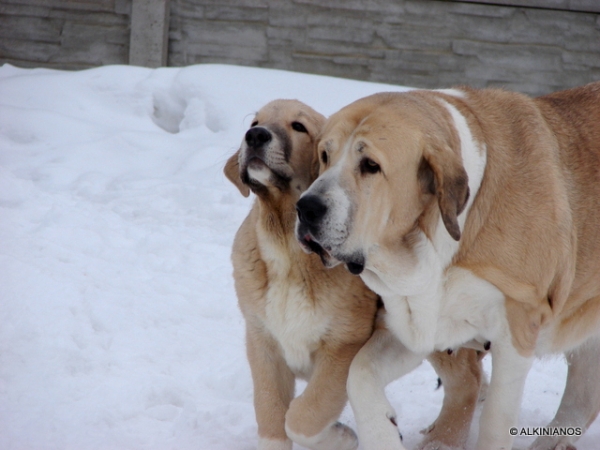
(257,136)
(311,209)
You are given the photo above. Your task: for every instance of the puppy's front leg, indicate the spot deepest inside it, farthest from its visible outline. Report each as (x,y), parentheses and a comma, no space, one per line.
(461,375)
(382,360)
(503,400)
(273,388)
(312,418)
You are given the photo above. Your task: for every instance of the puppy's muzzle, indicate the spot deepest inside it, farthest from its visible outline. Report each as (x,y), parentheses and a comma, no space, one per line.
(256,139)
(311,211)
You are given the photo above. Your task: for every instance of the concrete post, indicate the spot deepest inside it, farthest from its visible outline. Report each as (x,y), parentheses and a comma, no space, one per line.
(148,44)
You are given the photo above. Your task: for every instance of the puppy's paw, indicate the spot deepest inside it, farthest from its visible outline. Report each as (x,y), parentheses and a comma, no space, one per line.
(436,445)
(274,444)
(435,440)
(336,436)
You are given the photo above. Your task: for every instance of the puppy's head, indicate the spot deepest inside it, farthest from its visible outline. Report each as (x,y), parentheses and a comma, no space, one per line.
(277,153)
(390,166)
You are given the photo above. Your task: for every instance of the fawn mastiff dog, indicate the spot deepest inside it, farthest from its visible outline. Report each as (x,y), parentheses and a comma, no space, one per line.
(475,214)
(302,319)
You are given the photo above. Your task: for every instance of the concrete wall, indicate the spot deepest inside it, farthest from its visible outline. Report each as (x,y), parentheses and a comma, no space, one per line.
(149,41)
(423,43)
(417,43)
(65,34)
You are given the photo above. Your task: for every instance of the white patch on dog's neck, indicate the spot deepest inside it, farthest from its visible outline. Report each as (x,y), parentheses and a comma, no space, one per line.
(413,295)
(474,159)
(474,156)
(452,92)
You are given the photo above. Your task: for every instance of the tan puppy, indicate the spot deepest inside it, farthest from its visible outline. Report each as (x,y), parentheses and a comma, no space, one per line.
(475,214)
(303,320)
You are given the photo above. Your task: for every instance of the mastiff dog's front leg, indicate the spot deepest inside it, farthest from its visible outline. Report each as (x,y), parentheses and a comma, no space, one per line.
(382,360)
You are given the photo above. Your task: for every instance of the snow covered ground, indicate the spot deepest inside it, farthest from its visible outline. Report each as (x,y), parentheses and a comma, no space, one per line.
(119,327)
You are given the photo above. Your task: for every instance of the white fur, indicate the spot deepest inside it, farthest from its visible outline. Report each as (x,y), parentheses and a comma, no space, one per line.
(261,175)
(292,319)
(296,325)
(413,317)
(452,92)
(474,309)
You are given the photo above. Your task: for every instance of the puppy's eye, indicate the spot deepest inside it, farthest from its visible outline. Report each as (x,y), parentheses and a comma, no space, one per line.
(254,123)
(367,165)
(324,157)
(299,127)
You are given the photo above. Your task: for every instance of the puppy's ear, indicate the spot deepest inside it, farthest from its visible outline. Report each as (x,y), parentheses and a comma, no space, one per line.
(441,173)
(232,172)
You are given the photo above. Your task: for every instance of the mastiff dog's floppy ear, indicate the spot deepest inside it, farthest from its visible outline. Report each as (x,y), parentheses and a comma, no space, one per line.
(232,172)
(441,173)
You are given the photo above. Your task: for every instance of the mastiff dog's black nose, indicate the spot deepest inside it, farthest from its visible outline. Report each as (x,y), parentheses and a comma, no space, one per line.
(311,210)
